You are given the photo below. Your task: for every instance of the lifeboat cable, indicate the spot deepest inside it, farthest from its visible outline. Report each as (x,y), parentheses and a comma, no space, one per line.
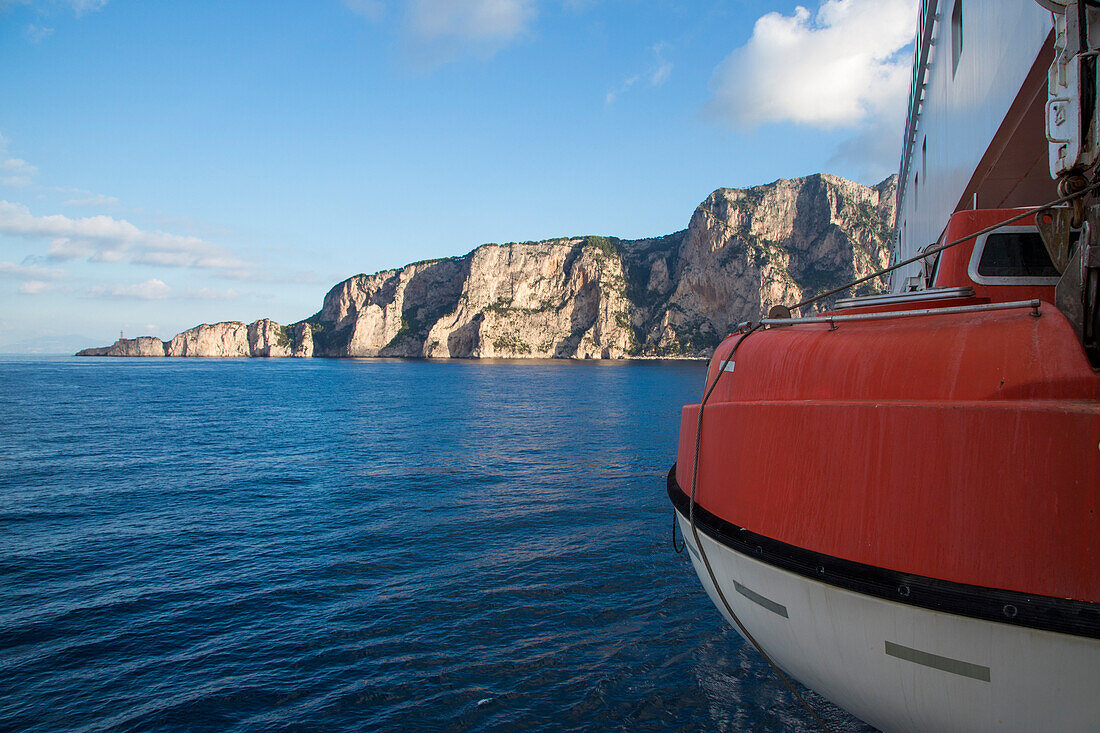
(703,554)
(1072,196)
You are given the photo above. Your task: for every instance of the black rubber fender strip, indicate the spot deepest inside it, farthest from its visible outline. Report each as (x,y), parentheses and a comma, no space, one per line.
(1045,613)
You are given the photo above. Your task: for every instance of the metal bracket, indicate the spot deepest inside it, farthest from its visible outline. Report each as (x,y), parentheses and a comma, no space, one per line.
(1077,294)
(1056,228)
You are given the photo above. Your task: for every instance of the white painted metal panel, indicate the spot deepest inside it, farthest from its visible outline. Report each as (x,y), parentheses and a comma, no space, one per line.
(962,110)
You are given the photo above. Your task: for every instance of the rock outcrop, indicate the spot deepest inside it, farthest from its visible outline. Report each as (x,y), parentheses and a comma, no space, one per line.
(268,338)
(225,340)
(747,250)
(588,297)
(141,346)
(217,339)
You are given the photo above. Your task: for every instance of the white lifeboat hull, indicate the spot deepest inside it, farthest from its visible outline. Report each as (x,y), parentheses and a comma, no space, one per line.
(901,667)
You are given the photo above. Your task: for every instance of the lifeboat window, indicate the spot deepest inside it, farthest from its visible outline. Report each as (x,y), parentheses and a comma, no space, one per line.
(1012,258)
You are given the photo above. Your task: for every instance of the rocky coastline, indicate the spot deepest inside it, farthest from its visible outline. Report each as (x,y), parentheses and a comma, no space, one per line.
(587,297)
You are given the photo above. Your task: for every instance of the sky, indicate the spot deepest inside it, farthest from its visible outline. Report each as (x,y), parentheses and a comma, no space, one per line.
(164,164)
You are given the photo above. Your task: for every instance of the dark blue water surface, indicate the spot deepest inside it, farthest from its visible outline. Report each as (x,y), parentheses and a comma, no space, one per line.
(356,545)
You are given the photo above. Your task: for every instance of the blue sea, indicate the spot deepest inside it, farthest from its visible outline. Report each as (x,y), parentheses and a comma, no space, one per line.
(241,545)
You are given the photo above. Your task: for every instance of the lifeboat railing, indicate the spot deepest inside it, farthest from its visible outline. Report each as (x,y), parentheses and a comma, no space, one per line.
(912,296)
(832,320)
(926,25)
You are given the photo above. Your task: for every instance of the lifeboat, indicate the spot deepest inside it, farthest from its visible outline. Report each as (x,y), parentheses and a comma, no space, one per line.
(898,500)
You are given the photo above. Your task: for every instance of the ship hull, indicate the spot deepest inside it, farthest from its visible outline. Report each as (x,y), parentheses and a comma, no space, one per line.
(898,666)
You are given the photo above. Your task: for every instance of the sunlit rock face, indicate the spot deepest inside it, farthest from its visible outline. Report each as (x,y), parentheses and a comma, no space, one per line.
(211,339)
(747,250)
(225,340)
(141,346)
(268,338)
(589,297)
(599,297)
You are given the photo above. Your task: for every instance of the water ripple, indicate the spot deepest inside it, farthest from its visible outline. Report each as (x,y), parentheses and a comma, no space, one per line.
(265,545)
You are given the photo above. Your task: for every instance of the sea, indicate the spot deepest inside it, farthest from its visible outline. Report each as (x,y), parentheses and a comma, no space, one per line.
(283,544)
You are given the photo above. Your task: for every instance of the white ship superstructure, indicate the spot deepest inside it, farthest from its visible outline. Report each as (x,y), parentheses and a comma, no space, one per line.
(974,136)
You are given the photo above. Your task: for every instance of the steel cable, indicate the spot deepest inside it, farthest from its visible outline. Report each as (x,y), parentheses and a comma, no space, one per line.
(1073,196)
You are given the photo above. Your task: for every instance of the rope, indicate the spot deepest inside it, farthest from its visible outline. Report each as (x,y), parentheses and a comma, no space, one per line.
(703,554)
(1072,196)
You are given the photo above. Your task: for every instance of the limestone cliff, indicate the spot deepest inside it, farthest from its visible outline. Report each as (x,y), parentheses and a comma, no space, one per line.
(588,297)
(141,346)
(747,250)
(600,297)
(225,340)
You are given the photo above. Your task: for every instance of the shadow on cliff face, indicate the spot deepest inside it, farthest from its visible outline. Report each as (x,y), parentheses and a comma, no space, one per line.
(586,308)
(327,341)
(824,260)
(464,341)
(648,297)
(433,292)
(571,259)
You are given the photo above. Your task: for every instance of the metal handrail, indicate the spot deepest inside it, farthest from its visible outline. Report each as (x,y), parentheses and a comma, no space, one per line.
(926,21)
(984,307)
(915,296)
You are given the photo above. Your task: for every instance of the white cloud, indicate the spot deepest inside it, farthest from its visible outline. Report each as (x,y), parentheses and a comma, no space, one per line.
(37,33)
(79,7)
(369,9)
(14,172)
(85,6)
(34,287)
(29,272)
(106,239)
(873,152)
(477,20)
(839,67)
(212,294)
(149,290)
(439,31)
(626,86)
(655,76)
(92,199)
(157,289)
(662,68)
(442,30)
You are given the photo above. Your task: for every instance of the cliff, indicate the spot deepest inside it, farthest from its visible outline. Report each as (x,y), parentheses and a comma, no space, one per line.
(226,340)
(588,297)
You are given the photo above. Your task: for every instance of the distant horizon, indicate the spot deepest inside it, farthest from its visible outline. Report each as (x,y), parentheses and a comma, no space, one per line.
(167,166)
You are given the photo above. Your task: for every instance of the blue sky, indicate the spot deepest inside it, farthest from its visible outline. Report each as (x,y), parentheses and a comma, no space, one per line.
(165,164)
